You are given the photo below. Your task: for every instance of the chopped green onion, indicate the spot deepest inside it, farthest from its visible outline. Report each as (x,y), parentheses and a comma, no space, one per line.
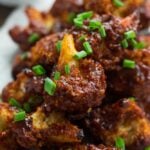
(132,98)
(33,38)
(78,22)
(118,3)
(130,35)
(130,64)
(124,43)
(147,148)
(133,43)
(82,38)
(71,16)
(88,48)
(85,15)
(38,70)
(49,86)
(120,143)
(94,24)
(27,107)
(80,55)
(57,75)
(20,116)
(14,102)
(102,31)
(140,45)
(24,55)
(58,46)
(67,69)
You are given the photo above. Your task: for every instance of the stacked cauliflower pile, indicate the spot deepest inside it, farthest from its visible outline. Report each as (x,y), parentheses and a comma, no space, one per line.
(81,79)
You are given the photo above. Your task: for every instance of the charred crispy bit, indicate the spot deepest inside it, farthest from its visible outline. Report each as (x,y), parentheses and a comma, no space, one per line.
(26,88)
(40,24)
(122,119)
(41,129)
(44,53)
(108,6)
(83,87)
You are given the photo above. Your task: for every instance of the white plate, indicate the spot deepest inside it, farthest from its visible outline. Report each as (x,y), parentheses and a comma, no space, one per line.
(7,46)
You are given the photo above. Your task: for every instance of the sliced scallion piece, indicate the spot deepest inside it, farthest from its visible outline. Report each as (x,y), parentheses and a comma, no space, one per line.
(49,86)
(14,102)
(130,64)
(33,38)
(120,143)
(80,55)
(38,70)
(67,69)
(57,75)
(87,48)
(118,3)
(20,116)
(130,35)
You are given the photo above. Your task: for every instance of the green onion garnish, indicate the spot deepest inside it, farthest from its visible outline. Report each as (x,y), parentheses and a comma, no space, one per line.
(140,45)
(58,46)
(147,148)
(94,24)
(71,16)
(130,64)
(85,15)
(118,3)
(102,31)
(14,102)
(88,48)
(27,107)
(82,38)
(132,98)
(33,38)
(67,69)
(57,75)
(133,42)
(120,143)
(78,22)
(80,55)
(130,35)
(124,43)
(38,70)
(49,86)
(20,116)
(24,55)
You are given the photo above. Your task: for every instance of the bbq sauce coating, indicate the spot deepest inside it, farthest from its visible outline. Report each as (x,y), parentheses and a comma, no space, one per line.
(122,119)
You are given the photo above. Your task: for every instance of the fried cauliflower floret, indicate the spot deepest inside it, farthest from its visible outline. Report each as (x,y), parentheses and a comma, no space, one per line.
(27,88)
(108,6)
(6,116)
(62,8)
(39,23)
(44,53)
(83,88)
(124,82)
(42,128)
(123,119)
